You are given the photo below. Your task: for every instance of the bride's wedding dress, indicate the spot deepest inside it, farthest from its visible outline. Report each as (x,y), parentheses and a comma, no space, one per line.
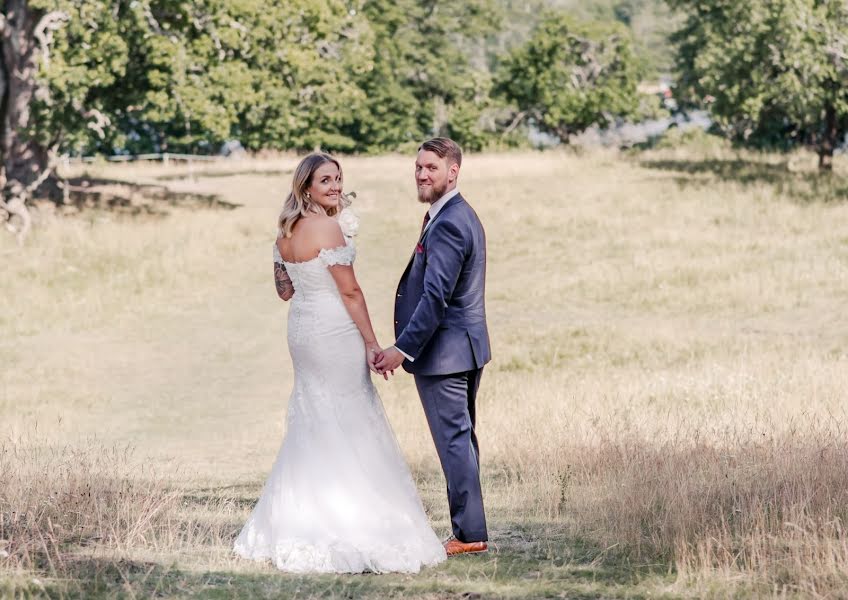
(340,497)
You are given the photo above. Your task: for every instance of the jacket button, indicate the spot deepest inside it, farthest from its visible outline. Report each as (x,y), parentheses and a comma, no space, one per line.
(396,322)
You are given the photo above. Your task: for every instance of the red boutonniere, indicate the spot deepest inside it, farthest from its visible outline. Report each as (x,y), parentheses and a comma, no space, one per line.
(419,249)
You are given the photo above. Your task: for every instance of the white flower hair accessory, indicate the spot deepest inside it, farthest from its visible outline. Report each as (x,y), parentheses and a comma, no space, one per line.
(349,222)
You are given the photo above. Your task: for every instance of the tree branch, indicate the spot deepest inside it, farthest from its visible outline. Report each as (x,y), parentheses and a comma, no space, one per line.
(52,164)
(516,121)
(100,121)
(17,207)
(838,53)
(49,23)
(39,180)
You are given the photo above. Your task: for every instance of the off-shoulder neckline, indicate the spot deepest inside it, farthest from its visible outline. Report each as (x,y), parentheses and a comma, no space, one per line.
(314,258)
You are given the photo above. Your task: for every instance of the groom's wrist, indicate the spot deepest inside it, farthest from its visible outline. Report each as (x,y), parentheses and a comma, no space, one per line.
(405,355)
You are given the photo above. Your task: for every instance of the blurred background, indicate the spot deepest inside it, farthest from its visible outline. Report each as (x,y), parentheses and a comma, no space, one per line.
(220,78)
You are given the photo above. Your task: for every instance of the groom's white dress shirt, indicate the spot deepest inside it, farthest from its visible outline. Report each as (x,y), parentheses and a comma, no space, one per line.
(434,210)
(439,204)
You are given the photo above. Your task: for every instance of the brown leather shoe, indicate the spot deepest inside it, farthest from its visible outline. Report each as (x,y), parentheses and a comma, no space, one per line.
(453,547)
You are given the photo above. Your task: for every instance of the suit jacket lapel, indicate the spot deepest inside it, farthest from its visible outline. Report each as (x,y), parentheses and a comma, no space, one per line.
(451,202)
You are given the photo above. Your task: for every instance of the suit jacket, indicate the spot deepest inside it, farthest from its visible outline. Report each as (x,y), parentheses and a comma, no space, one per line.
(440,313)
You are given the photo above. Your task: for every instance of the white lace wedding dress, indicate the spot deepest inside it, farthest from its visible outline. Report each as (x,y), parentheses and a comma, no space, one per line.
(340,497)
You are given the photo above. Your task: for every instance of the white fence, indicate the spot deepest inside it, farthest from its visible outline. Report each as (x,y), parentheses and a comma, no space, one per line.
(164,157)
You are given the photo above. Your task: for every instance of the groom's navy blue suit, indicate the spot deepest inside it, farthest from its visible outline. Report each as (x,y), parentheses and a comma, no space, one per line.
(440,321)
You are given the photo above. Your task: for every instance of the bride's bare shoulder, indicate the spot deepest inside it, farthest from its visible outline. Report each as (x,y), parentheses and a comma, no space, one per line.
(316,222)
(319,228)
(315,232)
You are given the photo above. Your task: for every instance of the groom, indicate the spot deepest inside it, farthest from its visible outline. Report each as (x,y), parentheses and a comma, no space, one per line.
(442,339)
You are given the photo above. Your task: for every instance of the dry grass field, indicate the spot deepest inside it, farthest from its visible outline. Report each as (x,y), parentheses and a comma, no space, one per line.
(665,414)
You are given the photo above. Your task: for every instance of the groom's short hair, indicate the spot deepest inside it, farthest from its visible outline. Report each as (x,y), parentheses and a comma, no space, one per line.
(444,148)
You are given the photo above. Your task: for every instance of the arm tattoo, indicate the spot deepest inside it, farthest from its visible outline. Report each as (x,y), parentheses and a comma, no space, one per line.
(285,289)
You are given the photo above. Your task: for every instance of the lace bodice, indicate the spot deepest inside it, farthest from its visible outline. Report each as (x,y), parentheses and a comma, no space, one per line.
(311,277)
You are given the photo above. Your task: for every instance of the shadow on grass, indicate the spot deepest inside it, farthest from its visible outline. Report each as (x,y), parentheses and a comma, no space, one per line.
(800,186)
(526,561)
(223,173)
(135,199)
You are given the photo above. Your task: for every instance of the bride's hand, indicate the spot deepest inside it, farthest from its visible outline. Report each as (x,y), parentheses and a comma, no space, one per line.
(373,354)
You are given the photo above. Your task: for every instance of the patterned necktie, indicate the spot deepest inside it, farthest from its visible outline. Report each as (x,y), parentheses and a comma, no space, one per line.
(426,220)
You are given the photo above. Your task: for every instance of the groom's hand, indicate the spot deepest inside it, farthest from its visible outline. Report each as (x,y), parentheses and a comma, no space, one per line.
(373,354)
(390,360)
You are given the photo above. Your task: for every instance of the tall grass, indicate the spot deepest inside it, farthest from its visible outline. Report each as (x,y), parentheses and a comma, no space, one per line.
(668,386)
(771,510)
(92,511)
(55,499)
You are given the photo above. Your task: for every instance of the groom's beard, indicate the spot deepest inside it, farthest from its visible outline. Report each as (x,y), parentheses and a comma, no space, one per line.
(430,194)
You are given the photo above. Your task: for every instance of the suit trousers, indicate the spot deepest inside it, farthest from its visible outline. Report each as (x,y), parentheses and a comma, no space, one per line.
(449,404)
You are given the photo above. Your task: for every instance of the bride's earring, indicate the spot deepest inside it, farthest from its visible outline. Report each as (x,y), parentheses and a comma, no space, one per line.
(308,196)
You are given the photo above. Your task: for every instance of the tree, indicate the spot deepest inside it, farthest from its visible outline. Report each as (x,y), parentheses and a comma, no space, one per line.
(130,76)
(430,73)
(273,74)
(771,68)
(569,76)
(113,75)
(48,90)
(26,32)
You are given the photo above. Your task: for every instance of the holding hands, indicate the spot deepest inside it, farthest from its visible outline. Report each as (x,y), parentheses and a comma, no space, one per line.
(389,360)
(373,354)
(382,361)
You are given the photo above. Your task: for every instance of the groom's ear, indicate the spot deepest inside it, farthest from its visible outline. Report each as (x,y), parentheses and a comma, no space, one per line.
(453,172)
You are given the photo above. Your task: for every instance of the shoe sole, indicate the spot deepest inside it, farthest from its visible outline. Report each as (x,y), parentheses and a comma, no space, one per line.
(469,552)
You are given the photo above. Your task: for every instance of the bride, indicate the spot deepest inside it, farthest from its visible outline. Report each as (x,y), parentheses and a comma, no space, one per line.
(340,497)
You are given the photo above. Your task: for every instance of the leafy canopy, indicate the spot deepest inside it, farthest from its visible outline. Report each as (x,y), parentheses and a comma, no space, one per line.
(343,75)
(773,71)
(569,76)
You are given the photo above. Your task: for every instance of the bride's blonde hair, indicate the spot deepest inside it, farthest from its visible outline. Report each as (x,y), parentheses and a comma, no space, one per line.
(298,204)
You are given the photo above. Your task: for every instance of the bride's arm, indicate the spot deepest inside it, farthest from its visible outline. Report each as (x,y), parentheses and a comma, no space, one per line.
(285,289)
(331,238)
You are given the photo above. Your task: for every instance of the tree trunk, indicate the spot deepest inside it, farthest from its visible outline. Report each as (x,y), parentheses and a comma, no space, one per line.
(564,133)
(26,166)
(828,140)
(20,156)
(440,116)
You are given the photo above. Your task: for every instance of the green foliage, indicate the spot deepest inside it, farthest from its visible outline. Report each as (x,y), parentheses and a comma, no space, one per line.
(696,140)
(424,81)
(89,56)
(649,21)
(650,107)
(570,76)
(275,75)
(774,70)
(343,75)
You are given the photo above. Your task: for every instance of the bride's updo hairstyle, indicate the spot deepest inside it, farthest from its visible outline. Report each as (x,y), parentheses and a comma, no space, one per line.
(298,204)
